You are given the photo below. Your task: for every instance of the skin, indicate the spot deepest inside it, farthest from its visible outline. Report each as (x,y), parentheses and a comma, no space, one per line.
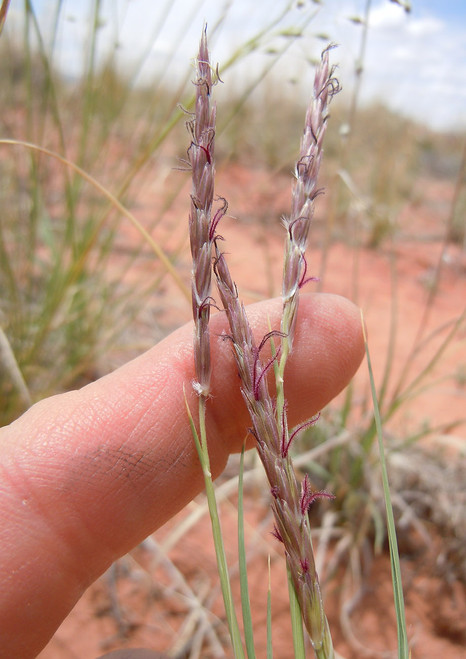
(87,475)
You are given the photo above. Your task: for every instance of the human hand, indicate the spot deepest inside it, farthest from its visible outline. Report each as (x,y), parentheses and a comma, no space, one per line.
(87,475)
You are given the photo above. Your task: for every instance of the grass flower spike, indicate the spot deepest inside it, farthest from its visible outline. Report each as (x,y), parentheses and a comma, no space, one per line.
(305,191)
(290,501)
(201,160)
(202,233)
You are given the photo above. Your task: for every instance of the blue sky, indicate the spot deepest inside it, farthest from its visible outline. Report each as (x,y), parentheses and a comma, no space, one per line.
(415,63)
(449,10)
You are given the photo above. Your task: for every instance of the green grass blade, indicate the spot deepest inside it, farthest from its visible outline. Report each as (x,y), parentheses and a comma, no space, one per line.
(243,572)
(10,367)
(115,202)
(200,439)
(403,649)
(269,616)
(296,619)
(194,432)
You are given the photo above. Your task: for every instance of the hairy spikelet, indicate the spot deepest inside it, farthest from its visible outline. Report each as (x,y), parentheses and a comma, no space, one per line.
(201,223)
(305,191)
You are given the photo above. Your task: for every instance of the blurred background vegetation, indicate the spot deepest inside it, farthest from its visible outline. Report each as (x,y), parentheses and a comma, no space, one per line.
(82,290)
(62,307)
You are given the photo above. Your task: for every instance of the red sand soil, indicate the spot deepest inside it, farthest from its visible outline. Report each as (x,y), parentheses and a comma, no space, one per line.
(156,596)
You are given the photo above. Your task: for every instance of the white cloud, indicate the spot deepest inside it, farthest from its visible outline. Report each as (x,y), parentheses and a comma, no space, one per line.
(387,16)
(425,27)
